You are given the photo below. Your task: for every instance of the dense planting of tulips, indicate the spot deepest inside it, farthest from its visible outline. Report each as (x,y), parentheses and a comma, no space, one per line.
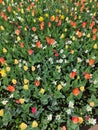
(48,64)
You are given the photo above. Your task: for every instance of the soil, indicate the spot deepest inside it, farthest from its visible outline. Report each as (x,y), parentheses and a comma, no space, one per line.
(84,127)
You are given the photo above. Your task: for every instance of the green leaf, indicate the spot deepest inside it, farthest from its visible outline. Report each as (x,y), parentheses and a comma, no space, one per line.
(7,118)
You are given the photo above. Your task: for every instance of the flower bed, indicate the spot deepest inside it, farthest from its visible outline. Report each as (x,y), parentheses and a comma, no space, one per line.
(48,64)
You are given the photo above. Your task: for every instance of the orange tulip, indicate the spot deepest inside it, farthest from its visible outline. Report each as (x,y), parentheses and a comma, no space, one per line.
(38,44)
(1,1)
(22,45)
(34,29)
(41,25)
(28,8)
(17,31)
(9,8)
(84,24)
(2,60)
(49,40)
(73,24)
(94,37)
(77,3)
(4,16)
(73,74)
(30,52)
(52,18)
(79,34)
(92,24)
(75,120)
(32,5)
(75,17)
(37,83)
(94,30)
(87,75)
(82,7)
(59,23)
(56,19)
(91,62)
(11,88)
(33,12)
(49,24)
(76,92)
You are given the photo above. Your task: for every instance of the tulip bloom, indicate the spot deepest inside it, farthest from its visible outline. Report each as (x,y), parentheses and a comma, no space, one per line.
(91,62)
(76,92)
(73,74)
(34,110)
(30,52)
(37,83)
(49,40)
(75,120)
(87,75)
(64,128)
(2,60)
(11,88)
(38,44)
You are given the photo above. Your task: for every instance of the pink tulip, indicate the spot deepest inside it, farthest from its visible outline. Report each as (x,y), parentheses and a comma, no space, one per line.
(64,128)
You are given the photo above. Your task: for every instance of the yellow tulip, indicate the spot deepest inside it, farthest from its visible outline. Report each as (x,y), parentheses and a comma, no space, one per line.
(33,68)
(62,36)
(62,17)
(14,81)
(21,100)
(92,104)
(25,68)
(1,28)
(42,91)
(88,35)
(59,87)
(95,46)
(25,87)
(16,61)
(8,69)
(22,11)
(23,126)
(4,50)
(46,15)
(34,124)
(1,112)
(18,38)
(80,120)
(25,81)
(82,88)
(41,19)
(66,46)
(3,73)
(73,38)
